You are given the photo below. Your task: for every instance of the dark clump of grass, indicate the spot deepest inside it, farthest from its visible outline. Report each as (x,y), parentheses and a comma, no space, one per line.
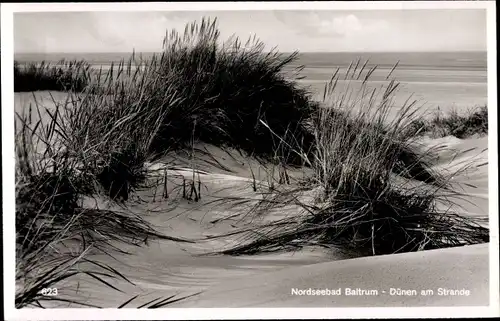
(49,242)
(122,173)
(111,125)
(57,194)
(227,89)
(63,76)
(472,122)
(363,198)
(202,88)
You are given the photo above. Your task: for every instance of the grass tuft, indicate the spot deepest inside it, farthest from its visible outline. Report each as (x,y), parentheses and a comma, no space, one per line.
(63,76)
(55,230)
(375,192)
(473,122)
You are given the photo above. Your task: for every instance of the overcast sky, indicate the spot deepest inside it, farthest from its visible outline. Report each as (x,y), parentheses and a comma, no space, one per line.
(375,30)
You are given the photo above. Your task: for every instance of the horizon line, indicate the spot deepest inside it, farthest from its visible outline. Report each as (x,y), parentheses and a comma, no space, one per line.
(299,51)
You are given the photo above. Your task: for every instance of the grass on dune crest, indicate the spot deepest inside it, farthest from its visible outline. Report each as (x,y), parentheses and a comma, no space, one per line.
(196,89)
(227,88)
(365,199)
(472,122)
(63,76)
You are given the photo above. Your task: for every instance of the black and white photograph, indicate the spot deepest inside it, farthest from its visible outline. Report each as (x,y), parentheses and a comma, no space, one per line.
(165,157)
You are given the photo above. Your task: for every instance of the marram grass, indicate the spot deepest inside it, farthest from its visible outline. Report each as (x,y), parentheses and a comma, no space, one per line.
(63,76)
(55,232)
(461,125)
(367,197)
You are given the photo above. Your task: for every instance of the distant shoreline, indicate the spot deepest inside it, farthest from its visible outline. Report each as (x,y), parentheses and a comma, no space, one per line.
(285,52)
(460,60)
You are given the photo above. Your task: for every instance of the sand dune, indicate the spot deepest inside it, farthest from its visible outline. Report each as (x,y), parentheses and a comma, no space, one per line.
(467,161)
(164,268)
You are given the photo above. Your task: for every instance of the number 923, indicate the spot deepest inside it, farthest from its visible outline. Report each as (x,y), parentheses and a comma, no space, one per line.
(49,291)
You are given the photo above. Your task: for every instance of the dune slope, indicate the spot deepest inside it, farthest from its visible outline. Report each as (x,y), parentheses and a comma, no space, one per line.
(457,268)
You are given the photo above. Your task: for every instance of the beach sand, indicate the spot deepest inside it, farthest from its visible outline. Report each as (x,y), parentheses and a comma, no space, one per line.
(398,280)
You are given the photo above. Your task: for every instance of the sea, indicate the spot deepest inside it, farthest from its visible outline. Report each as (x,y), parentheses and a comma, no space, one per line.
(444,80)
